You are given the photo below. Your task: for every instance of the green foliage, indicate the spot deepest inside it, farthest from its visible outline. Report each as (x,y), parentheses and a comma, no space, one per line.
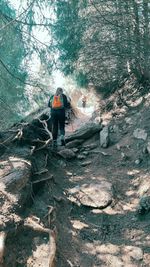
(81,79)
(68,31)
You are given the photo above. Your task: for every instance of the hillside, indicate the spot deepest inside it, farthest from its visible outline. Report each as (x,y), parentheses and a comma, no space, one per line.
(84,205)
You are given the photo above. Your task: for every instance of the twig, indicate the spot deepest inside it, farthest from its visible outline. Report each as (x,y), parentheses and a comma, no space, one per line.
(51,209)
(12,21)
(42,180)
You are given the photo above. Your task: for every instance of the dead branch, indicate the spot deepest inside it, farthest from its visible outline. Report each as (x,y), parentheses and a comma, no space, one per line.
(42,180)
(2,246)
(30,223)
(52,237)
(51,209)
(41,172)
(46,128)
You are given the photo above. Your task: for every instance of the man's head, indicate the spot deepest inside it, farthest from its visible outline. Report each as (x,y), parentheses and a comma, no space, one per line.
(59,91)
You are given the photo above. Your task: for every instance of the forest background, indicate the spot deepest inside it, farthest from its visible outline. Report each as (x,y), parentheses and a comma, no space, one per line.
(71,43)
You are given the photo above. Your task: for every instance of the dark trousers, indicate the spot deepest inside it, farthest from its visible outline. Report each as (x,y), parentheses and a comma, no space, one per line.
(58,122)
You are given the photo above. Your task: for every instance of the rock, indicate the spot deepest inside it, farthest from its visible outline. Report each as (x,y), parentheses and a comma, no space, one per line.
(86,153)
(148,147)
(90,146)
(84,132)
(140,134)
(129,121)
(144,205)
(74,143)
(104,137)
(118,147)
(81,157)
(134,252)
(138,161)
(96,195)
(75,150)
(85,163)
(67,153)
(62,164)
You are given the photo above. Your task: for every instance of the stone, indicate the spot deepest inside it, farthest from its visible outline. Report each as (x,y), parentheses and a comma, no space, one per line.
(148,147)
(144,205)
(94,194)
(81,157)
(75,150)
(137,161)
(104,137)
(140,134)
(85,132)
(74,143)
(67,153)
(129,121)
(118,147)
(62,164)
(134,252)
(90,146)
(86,153)
(85,163)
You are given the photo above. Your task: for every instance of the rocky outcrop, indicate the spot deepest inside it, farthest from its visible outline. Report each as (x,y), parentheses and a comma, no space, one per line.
(85,132)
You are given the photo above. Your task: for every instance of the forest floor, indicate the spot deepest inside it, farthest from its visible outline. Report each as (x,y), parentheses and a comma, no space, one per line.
(115,236)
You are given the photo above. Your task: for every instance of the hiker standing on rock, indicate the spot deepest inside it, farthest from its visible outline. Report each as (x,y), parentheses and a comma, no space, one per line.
(58,104)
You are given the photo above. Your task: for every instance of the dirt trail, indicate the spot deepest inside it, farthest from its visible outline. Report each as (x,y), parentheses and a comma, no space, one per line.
(90,237)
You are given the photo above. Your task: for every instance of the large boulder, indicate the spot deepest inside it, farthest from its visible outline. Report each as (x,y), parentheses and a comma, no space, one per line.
(104,137)
(96,194)
(85,132)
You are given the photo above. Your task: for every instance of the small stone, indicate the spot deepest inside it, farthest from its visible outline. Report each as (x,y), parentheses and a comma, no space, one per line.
(62,164)
(86,153)
(118,147)
(85,163)
(81,157)
(75,150)
(67,153)
(140,134)
(90,146)
(74,143)
(137,161)
(128,121)
(123,155)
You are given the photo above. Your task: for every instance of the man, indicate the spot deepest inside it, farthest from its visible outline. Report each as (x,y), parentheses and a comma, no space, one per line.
(84,101)
(58,104)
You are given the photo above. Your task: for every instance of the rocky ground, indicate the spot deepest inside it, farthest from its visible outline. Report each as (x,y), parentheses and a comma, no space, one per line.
(93,195)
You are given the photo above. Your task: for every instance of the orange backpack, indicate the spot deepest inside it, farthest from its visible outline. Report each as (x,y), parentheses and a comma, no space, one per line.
(57,102)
